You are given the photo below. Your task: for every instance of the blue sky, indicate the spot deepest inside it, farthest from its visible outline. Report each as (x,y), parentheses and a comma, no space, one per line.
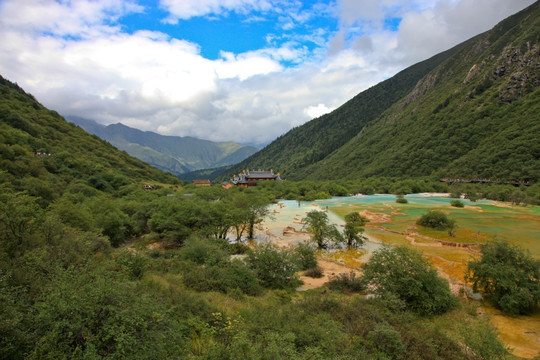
(240,70)
(239,31)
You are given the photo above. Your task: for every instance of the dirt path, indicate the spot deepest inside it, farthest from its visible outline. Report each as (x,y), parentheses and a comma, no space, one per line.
(330,268)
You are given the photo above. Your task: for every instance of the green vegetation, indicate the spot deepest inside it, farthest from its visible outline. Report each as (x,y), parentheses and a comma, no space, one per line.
(94,266)
(275,268)
(403,273)
(305,255)
(455,115)
(45,156)
(327,235)
(508,275)
(324,234)
(400,199)
(354,227)
(347,282)
(436,219)
(457,203)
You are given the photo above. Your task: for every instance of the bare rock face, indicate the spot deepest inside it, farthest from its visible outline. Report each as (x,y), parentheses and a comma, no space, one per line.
(475,69)
(425,84)
(521,69)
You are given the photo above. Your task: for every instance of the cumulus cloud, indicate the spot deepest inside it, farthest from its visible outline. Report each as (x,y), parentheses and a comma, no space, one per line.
(76,57)
(316,111)
(185,9)
(79,18)
(426,27)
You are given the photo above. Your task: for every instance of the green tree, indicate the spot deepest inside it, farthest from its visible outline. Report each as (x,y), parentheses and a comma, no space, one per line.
(436,219)
(316,222)
(258,210)
(354,228)
(457,203)
(400,199)
(176,219)
(110,219)
(508,275)
(404,273)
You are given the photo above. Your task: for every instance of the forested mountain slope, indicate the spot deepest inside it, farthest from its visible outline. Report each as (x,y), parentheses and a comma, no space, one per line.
(43,154)
(469,112)
(175,154)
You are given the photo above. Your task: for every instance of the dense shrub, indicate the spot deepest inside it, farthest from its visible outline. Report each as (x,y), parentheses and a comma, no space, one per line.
(348,281)
(304,256)
(94,315)
(135,264)
(404,273)
(508,275)
(436,219)
(273,267)
(387,341)
(224,277)
(482,337)
(238,276)
(203,251)
(457,203)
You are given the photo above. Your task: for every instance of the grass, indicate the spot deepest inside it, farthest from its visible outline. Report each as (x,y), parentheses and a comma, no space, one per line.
(477,222)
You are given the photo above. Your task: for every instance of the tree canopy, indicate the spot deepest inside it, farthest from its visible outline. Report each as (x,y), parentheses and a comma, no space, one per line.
(404,273)
(508,275)
(436,219)
(354,228)
(324,234)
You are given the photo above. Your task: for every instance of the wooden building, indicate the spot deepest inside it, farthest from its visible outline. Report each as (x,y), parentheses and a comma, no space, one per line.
(251,178)
(205,182)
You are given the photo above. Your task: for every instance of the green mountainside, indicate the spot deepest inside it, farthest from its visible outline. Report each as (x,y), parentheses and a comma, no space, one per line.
(469,112)
(43,154)
(175,154)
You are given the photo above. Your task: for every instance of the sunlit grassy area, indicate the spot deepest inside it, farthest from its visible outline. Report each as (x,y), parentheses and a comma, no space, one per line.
(477,222)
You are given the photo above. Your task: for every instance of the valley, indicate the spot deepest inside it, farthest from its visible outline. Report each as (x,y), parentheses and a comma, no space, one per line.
(365,250)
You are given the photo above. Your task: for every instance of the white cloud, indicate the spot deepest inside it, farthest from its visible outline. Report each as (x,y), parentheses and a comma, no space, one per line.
(427,26)
(316,111)
(81,18)
(75,58)
(185,9)
(244,65)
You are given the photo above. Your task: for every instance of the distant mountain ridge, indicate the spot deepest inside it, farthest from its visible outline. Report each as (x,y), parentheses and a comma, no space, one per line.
(178,155)
(469,112)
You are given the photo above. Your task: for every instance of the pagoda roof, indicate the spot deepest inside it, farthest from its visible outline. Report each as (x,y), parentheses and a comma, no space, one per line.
(261,175)
(251,177)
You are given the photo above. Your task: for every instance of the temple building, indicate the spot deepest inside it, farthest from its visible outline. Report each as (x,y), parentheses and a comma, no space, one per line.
(251,178)
(201,182)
